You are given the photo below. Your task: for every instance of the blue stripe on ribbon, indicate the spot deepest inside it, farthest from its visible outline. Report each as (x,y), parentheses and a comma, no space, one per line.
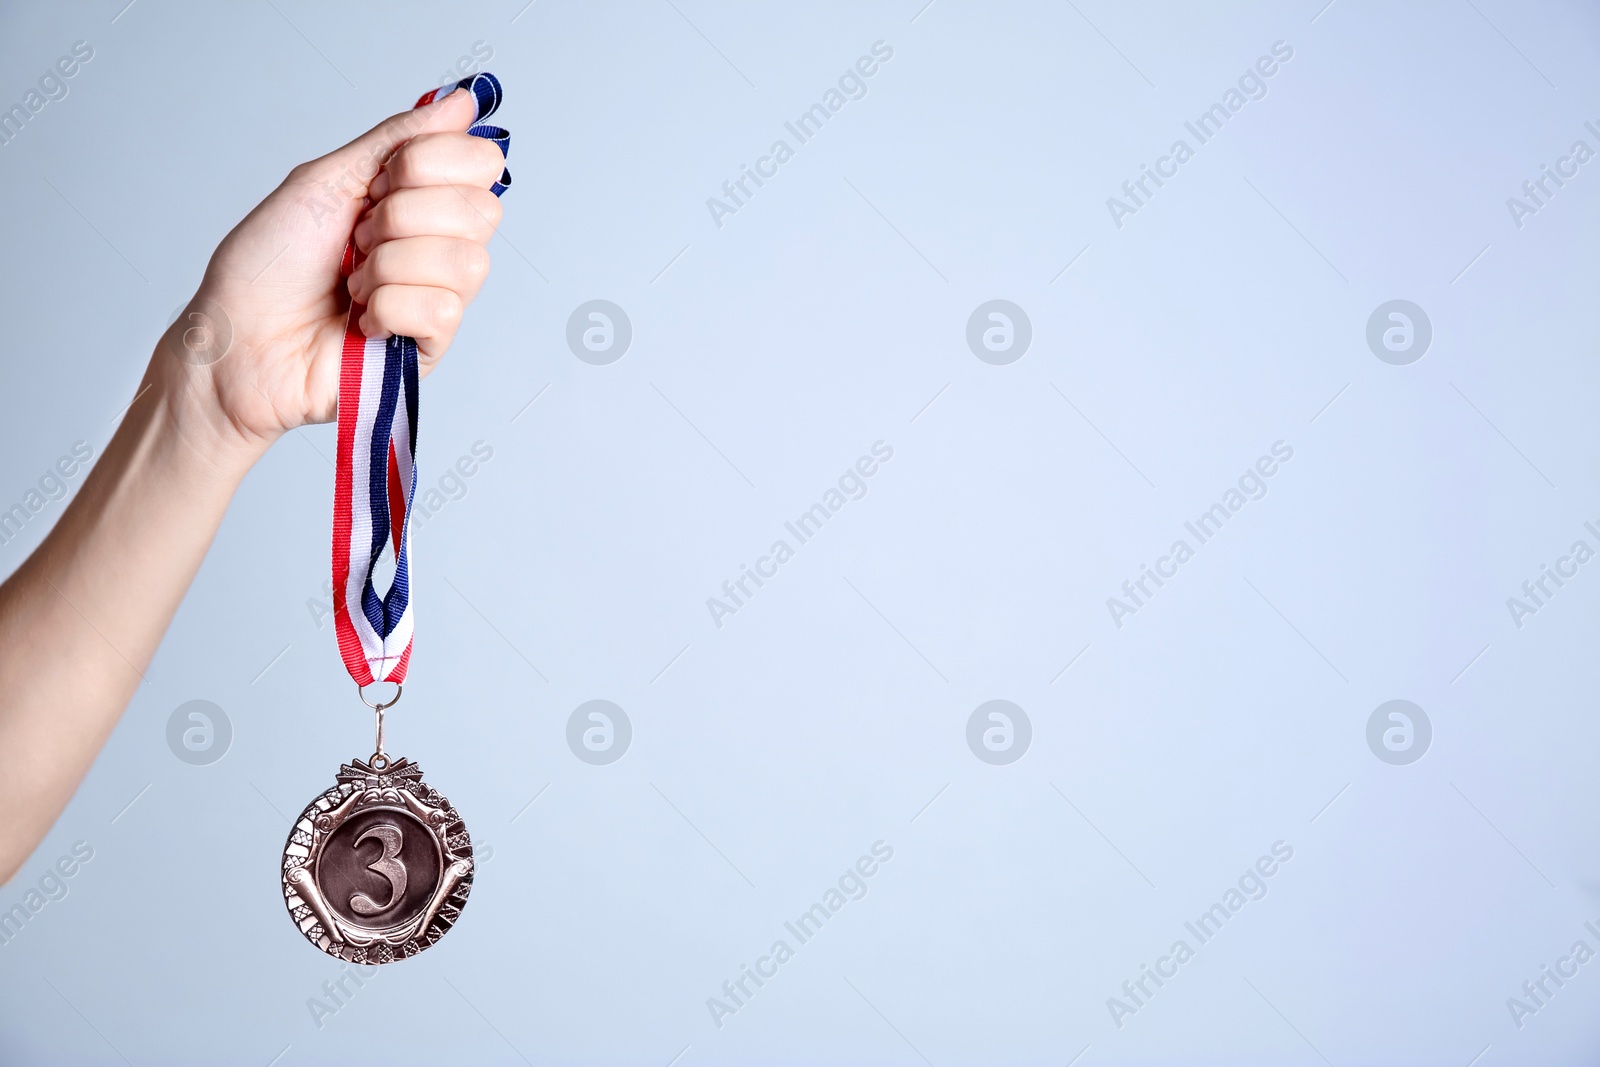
(399,369)
(400,372)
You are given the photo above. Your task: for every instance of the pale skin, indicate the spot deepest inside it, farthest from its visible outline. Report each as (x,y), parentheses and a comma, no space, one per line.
(81,618)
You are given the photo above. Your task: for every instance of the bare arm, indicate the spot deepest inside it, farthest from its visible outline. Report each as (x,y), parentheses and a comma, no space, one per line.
(82,617)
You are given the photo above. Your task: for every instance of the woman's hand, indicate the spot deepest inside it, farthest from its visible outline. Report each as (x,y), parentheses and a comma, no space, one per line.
(257,351)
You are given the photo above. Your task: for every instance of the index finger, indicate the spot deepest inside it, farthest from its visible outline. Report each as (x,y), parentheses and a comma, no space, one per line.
(440,159)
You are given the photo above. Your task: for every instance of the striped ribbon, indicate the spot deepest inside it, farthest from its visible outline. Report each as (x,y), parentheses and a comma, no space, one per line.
(376,475)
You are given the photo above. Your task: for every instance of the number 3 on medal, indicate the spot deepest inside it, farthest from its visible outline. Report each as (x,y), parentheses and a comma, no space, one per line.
(388,864)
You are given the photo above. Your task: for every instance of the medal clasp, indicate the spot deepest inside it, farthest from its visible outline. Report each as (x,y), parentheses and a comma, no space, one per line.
(380,761)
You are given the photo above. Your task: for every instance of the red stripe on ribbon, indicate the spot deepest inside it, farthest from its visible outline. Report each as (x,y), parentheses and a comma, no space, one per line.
(397,508)
(350,650)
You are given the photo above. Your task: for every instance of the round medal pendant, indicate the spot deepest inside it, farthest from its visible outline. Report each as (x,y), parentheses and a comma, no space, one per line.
(378,867)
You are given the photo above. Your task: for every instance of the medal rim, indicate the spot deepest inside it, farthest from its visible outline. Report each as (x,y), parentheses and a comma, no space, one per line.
(396,785)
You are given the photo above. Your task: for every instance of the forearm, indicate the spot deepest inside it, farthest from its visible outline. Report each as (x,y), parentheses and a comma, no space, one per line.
(82,617)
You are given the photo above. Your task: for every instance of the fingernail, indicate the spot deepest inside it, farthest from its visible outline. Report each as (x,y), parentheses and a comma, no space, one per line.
(437,99)
(370,329)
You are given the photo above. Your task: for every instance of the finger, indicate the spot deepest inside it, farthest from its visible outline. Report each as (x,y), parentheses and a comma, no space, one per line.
(437,211)
(353,167)
(444,262)
(440,159)
(426,312)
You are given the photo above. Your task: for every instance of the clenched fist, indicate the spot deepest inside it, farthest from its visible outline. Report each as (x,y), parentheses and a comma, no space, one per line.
(257,352)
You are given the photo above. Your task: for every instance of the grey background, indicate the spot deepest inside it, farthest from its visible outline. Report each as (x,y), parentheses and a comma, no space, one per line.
(830,712)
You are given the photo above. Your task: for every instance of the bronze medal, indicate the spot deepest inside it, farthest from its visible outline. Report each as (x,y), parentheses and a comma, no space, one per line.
(379,866)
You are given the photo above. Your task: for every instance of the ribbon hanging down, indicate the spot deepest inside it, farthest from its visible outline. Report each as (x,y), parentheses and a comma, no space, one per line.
(376,475)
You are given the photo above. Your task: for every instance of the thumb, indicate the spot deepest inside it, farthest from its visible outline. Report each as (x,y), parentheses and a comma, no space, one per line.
(353,167)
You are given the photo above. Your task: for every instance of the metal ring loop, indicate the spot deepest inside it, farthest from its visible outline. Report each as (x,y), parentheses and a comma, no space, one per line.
(398,689)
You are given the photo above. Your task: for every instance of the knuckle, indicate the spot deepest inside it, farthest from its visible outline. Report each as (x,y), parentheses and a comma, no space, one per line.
(383,218)
(488,213)
(401,166)
(377,303)
(375,268)
(490,157)
(380,301)
(469,260)
(396,214)
(445,310)
(416,160)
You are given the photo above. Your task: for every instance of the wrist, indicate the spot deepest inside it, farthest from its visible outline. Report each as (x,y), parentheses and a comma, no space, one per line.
(180,403)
